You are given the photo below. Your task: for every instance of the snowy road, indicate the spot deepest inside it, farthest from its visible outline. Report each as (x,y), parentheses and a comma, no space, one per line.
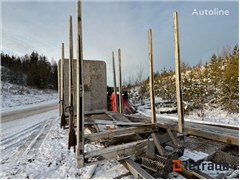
(33,145)
(23,131)
(11,115)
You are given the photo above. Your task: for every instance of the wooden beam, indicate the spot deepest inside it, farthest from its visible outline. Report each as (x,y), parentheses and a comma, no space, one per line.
(178,74)
(151,77)
(136,170)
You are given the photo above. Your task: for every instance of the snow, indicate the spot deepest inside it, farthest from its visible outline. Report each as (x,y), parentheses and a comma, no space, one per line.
(46,155)
(193,155)
(13,95)
(214,115)
(36,147)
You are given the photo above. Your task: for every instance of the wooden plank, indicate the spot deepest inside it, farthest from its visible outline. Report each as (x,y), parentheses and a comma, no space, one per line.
(136,169)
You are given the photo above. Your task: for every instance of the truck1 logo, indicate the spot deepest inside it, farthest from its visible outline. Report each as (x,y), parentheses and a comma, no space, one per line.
(210,166)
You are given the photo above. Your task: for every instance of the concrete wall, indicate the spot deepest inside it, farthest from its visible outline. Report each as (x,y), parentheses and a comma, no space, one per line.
(95,84)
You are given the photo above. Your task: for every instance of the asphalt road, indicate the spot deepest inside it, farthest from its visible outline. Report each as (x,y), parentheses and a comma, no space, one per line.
(24,113)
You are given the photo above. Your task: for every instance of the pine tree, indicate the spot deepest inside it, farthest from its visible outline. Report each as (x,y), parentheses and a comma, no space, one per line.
(230,88)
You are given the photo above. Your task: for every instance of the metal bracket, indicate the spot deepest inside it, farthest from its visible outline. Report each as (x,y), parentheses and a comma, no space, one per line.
(70,109)
(160,162)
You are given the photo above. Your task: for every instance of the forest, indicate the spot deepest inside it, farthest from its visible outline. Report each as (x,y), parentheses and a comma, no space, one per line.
(214,83)
(32,70)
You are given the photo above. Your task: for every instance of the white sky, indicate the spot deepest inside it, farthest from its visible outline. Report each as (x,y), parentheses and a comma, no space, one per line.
(108,25)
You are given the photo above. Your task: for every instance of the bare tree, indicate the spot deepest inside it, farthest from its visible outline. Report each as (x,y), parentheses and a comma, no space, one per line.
(184,66)
(139,74)
(125,82)
(226,50)
(130,78)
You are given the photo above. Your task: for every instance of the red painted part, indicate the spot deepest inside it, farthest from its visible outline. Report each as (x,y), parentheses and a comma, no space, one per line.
(124,103)
(112,98)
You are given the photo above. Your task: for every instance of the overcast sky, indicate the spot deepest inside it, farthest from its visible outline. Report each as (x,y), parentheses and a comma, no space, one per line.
(108,25)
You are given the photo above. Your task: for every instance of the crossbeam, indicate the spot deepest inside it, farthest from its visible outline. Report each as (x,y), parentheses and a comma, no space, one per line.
(118,152)
(136,169)
(110,134)
(226,135)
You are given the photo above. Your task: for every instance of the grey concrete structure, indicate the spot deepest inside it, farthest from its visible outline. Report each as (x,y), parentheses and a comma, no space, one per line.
(95,84)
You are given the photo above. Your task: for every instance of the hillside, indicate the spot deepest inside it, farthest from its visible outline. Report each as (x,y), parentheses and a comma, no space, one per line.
(210,90)
(13,95)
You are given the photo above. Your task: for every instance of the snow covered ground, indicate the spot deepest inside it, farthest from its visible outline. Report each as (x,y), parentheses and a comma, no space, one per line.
(16,95)
(36,146)
(215,115)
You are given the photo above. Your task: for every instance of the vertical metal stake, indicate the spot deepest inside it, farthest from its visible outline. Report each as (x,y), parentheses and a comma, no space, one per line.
(178,74)
(120,80)
(151,77)
(80,88)
(71,135)
(114,81)
(63,121)
(59,89)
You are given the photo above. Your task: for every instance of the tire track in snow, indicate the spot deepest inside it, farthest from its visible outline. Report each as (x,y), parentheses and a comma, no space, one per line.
(39,139)
(15,142)
(19,134)
(33,142)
